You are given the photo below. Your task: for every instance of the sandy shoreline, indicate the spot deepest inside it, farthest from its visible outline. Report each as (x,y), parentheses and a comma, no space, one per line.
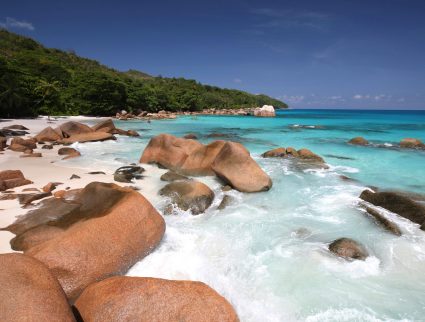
(48,168)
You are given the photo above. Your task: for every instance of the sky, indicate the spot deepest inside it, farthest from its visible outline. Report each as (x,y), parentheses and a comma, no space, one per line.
(308,53)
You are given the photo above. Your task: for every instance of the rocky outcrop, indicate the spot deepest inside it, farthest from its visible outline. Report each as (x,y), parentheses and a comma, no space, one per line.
(265,111)
(359,140)
(410,143)
(10,179)
(348,248)
(29,292)
(72,128)
(397,203)
(153,299)
(68,153)
(128,173)
(88,137)
(49,135)
(189,195)
(103,231)
(302,155)
(228,160)
(108,126)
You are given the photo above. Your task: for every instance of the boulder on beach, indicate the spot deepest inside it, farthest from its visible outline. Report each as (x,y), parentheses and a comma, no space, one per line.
(49,135)
(69,153)
(348,248)
(88,137)
(29,291)
(20,144)
(10,179)
(189,195)
(410,143)
(108,126)
(265,111)
(228,160)
(359,140)
(397,203)
(125,298)
(102,231)
(16,127)
(71,128)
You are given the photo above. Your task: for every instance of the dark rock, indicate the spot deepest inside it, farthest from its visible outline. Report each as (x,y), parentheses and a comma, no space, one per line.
(227,200)
(172,176)
(27,198)
(348,248)
(96,172)
(74,176)
(358,141)
(384,222)
(16,127)
(191,136)
(128,173)
(47,147)
(396,203)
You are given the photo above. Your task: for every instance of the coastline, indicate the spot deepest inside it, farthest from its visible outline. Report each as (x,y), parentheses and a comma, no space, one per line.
(49,168)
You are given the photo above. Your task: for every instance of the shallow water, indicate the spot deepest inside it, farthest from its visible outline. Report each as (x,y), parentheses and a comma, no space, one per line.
(267,252)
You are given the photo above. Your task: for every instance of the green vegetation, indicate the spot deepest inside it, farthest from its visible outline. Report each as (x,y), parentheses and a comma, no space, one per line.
(37,80)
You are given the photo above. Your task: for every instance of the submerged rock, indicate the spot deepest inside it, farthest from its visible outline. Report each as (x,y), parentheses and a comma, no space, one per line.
(189,195)
(126,298)
(397,203)
(30,292)
(410,143)
(348,248)
(302,155)
(359,140)
(227,200)
(384,222)
(103,231)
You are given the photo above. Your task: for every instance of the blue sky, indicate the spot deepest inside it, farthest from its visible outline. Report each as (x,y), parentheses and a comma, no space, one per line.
(309,53)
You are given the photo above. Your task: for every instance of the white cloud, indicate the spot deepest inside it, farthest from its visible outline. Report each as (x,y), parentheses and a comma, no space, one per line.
(237,80)
(358,97)
(16,24)
(293,99)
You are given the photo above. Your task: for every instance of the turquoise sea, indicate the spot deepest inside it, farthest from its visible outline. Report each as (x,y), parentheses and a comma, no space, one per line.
(267,252)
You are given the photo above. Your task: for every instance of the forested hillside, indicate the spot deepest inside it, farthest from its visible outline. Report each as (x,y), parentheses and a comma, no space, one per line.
(37,80)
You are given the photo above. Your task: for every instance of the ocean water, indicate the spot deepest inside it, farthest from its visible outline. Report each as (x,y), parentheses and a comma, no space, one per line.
(267,252)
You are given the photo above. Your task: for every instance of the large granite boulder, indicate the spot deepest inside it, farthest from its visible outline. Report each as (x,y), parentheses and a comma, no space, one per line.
(154,300)
(108,126)
(275,153)
(100,232)
(21,145)
(235,166)
(412,144)
(348,248)
(265,111)
(358,140)
(68,153)
(10,179)
(73,128)
(49,135)
(29,292)
(88,137)
(189,195)
(228,160)
(397,203)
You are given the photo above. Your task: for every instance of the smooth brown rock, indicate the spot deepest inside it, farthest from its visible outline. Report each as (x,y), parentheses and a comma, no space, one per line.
(72,128)
(359,140)
(348,248)
(102,232)
(69,153)
(410,143)
(397,203)
(189,195)
(49,135)
(11,179)
(104,126)
(307,155)
(235,166)
(275,153)
(51,186)
(153,300)
(31,155)
(88,137)
(29,292)
(171,176)
(290,151)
